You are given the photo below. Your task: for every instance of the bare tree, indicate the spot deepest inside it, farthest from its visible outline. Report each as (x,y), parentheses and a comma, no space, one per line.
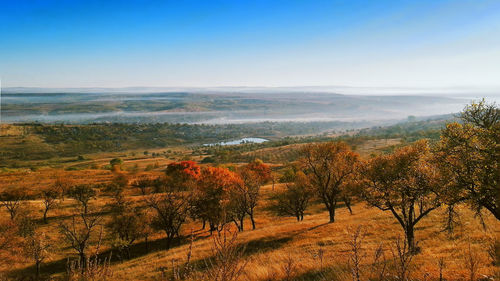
(143,183)
(62,184)
(83,194)
(49,197)
(11,199)
(79,231)
(36,247)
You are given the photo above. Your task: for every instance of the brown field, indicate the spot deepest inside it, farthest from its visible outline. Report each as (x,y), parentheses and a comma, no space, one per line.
(274,243)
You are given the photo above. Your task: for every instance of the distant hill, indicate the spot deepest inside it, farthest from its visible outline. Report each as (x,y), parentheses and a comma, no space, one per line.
(215,106)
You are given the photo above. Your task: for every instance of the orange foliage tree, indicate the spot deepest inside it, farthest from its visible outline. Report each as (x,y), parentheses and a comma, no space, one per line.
(331,167)
(254,175)
(211,195)
(403,183)
(182,174)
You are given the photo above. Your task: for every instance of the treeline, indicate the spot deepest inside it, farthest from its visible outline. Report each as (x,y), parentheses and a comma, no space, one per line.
(72,140)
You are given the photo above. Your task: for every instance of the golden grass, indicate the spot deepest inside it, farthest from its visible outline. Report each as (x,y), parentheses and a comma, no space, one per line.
(278,239)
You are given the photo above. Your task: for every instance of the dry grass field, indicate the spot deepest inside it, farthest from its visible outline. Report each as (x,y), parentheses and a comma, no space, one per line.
(280,248)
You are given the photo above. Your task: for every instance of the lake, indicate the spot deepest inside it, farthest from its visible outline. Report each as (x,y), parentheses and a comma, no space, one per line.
(240,141)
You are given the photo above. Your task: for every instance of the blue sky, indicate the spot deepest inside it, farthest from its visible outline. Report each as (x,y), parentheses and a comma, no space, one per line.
(111,43)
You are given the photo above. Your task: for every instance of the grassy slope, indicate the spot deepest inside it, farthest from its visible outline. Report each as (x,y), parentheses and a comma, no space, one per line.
(275,240)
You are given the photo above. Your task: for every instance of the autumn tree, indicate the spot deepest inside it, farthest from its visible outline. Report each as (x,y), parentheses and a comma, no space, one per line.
(82,193)
(331,168)
(126,225)
(211,195)
(254,175)
(403,183)
(238,205)
(49,198)
(294,200)
(11,199)
(468,155)
(170,212)
(181,175)
(36,247)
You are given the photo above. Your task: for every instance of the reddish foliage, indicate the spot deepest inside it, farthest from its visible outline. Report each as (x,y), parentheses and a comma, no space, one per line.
(261,170)
(187,169)
(182,174)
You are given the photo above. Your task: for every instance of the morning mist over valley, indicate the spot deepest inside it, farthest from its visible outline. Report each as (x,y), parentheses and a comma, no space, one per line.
(250,140)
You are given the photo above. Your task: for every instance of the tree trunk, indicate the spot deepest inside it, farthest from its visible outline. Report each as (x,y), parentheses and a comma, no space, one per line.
(169,242)
(45,216)
(241,224)
(331,212)
(37,276)
(12,214)
(253,221)
(83,261)
(410,237)
(347,202)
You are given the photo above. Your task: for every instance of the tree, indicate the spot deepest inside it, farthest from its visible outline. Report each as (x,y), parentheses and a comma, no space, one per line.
(182,175)
(331,168)
(403,183)
(116,162)
(78,233)
(171,210)
(11,199)
(211,195)
(126,225)
(468,155)
(294,200)
(62,184)
(238,205)
(254,175)
(49,197)
(144,183)
(36,247)
(82,193)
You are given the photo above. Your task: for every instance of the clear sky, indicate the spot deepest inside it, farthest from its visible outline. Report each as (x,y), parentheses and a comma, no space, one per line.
(421,43)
